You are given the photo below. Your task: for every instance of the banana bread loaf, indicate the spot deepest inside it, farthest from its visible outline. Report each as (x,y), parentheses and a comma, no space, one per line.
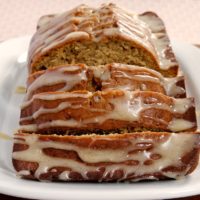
(105,101)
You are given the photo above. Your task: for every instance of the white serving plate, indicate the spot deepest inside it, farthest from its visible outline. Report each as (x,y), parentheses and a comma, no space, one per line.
(13,74)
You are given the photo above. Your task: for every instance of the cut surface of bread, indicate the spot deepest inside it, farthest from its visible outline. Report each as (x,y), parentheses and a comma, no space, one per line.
(101,36)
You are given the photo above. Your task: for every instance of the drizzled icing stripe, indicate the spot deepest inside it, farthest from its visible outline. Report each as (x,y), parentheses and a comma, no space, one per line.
(55,96)
(70,76)
(160,40)
(166,150)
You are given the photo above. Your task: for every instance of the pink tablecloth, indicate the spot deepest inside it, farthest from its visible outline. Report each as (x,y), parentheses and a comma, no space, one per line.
(182,17)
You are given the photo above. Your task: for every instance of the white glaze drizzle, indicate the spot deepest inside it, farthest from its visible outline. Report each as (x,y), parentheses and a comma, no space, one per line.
(180,125)
(171,149)
(102,72)
(50,96)
(29,127)
(24,172)
(44,19)
(60,75)
(159,39)
(171,88)
(182,105)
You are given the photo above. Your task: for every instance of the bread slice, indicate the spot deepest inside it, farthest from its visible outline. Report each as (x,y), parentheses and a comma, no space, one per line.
(104,77)
(103,158)
(101,36)
(106,110)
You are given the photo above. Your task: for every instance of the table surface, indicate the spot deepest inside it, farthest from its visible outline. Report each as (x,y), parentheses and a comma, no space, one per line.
(19,18)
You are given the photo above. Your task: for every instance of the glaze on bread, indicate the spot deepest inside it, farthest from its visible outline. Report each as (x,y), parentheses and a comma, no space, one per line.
(104,101)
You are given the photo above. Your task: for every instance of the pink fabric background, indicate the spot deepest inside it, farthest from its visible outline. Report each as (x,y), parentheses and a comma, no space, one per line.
(182,17)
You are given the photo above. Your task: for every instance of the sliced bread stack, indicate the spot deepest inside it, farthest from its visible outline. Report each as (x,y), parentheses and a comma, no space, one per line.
(105,101)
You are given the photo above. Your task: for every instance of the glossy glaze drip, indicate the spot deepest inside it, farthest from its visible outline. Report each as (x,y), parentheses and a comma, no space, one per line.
(180,124)
(24,173)
(160,40)
(171,87)
(171,149)
(45,19)
(70,76)
(58,95)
